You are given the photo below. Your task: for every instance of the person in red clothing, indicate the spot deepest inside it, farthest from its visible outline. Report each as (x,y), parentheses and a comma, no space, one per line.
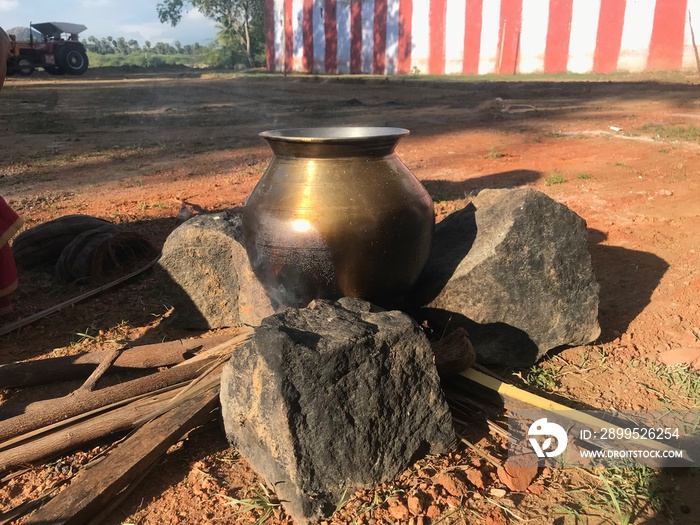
(10,222)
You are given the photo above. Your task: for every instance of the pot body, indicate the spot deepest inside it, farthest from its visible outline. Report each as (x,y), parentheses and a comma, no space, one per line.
(338,214)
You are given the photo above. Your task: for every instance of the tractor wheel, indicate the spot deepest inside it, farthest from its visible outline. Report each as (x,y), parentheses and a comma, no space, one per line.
(73,60)
(53,70)
(25,67)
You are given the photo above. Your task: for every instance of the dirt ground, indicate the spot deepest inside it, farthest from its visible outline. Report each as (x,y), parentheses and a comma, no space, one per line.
(623,152)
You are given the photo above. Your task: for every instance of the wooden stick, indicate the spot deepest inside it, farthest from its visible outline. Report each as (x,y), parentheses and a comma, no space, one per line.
(55,443)
(209,379)
(109,359)
(46,412)
(223,349)
(57,369)
(500,51)
(56,427)
(692,39)
(92,489)
(488,457)
(11,327)
(29,506)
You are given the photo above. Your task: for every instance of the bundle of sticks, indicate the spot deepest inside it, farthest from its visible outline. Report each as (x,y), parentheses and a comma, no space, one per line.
(158,410)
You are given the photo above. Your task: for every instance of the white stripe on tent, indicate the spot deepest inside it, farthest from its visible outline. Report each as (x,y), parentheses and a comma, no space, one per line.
(454,35)
(584,32)
(688,50)
(533,35)
(319,33)
(420,35)
(636,35)
(367,35)
(392,36)
(298,34)
(342,18)
(490,29)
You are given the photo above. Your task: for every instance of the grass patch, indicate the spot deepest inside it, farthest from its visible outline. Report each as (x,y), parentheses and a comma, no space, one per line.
(681,380)
(621,164)
(554,178)
(494,153)
(679,133)
(623,492)
(584,176)
(544,376)
(380,498)
(263,503)
(152,205)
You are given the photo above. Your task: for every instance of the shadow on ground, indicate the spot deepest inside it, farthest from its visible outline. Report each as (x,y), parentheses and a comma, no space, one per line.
(627,281)
(447,190)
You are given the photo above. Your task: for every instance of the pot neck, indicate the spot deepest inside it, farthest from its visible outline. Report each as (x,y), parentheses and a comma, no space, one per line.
(333,148)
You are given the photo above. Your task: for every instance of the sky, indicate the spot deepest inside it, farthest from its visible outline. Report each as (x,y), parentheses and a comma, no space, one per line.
(137,19)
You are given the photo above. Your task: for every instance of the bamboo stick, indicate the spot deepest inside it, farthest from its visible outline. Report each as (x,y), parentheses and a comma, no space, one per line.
(513,392)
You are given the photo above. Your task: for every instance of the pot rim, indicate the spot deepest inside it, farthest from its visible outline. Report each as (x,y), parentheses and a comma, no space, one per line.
(334,134)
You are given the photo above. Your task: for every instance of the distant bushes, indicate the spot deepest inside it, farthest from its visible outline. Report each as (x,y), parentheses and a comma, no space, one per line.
(142,59)
(225,52)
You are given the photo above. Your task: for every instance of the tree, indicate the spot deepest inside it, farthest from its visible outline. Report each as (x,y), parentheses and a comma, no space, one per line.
(147,48)
(121,46)
(161,48)
(93,44)
(107,46)
(241,21)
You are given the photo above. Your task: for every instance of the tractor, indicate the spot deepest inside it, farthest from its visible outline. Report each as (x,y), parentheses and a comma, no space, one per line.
(56,49)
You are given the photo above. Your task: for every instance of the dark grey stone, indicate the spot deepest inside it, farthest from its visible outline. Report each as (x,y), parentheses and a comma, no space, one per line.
(207,275)
(326,399)
(515,271)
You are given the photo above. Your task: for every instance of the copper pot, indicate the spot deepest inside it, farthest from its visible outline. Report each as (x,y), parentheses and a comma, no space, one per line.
(337,214)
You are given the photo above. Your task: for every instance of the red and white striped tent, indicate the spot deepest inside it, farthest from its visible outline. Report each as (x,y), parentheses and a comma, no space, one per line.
(480,36)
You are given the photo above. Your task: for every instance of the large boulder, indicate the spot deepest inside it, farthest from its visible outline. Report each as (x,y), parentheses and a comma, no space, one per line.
(208,277)
(329,398)
(515,271)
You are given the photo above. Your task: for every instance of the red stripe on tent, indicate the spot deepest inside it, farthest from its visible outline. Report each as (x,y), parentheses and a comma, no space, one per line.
(666,46)
(379,58)
(437,16)
(611,20)
(331,31)
(356,36)
(509,36)
(307,28)
(288,37)
(405,27)
(270,34)
(556,53)
(472,37)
